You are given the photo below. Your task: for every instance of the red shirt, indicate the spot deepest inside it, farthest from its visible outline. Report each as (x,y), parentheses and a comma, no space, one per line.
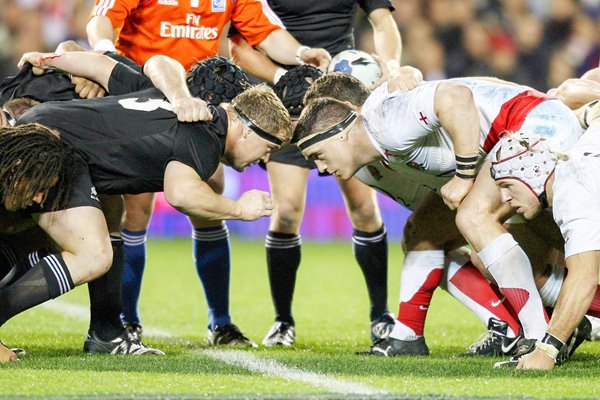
(186,30)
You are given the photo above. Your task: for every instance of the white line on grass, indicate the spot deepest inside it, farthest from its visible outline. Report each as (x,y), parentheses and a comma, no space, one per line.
(273,368)
(82,313)
(244,359)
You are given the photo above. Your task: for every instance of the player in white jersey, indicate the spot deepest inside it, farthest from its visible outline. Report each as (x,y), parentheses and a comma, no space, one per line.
(527,168)
(438,130)
(430,261)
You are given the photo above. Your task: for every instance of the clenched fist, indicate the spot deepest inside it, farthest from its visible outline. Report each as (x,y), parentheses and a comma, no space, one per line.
(191,109)
(255,204)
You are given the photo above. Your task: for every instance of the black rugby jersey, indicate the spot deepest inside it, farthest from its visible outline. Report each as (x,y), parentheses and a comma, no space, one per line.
(324,23)
(128,140)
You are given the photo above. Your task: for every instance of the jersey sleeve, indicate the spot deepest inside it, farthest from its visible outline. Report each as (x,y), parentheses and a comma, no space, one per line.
(400,120)
(371,5)
(116,10)
(124,79)
(125,60)
(255,20)
(197,149)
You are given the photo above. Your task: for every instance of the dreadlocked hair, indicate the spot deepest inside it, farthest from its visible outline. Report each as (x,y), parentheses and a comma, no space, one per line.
(34,156)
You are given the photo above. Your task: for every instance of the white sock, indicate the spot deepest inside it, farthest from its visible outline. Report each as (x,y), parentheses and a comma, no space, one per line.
(551,289)
(510,267)
(476,294)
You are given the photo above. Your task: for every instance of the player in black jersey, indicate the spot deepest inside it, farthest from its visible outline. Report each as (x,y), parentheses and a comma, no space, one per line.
(105,293)
(211,80)
(327,24)
(35,169)
(108,131)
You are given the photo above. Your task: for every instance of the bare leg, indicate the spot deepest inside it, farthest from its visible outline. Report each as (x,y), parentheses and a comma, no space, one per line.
(480,218)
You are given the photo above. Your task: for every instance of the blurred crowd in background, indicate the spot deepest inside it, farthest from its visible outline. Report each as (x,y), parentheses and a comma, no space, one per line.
(539,43)
(534,42)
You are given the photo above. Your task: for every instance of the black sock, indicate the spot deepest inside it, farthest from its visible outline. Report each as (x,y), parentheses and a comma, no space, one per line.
(20,268)
(283,259)
(370,251)
(106,304)
(47,279)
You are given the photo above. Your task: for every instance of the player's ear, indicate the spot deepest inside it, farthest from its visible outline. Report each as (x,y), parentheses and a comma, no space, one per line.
(245,131)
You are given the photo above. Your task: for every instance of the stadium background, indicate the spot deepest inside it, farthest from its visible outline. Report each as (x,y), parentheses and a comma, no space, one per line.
(536,42)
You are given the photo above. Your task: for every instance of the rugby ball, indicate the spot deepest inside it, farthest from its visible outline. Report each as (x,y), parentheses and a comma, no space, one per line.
(358,64)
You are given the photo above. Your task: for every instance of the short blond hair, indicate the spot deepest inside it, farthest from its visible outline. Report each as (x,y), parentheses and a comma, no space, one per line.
(261,104)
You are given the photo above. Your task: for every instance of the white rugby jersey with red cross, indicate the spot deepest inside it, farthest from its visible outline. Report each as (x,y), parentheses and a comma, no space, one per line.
(405,129)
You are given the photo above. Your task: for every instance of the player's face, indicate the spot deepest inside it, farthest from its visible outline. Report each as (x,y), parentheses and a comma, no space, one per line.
(16,199)
(520,197)
(332,156)
(251,150)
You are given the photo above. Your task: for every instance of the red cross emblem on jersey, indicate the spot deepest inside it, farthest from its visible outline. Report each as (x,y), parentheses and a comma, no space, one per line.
(423,118)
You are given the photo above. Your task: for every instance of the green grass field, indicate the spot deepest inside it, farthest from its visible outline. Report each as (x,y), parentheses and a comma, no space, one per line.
(331,321)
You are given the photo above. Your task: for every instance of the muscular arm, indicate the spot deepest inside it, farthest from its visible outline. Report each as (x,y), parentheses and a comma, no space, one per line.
(388,43)
(168,75)
(573,302)
(576,294)
(457,112)
(189,194)
(577,92)
(281,46)
(94,66)
(388,46)
(252,60)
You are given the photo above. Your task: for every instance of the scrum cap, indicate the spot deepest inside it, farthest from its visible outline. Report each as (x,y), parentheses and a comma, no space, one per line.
(216,80)
(292,86)
(528,158)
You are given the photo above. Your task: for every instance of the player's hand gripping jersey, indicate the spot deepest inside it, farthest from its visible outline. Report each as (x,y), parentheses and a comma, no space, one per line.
(186,30)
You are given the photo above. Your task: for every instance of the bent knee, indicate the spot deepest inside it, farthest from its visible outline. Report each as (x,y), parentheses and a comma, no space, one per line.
(286,218)
(365,216)
(467,218)
(100,260)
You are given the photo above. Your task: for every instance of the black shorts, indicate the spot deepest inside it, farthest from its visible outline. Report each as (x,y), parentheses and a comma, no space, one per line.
(83,193)
(292,155)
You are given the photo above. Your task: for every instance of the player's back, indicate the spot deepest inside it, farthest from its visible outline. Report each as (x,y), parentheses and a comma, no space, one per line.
(490,95)
(127,140)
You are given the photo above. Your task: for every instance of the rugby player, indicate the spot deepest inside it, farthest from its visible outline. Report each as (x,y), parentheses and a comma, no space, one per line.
(532,176)
(449,126)
(328,24)
(239,134)
(186,32)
